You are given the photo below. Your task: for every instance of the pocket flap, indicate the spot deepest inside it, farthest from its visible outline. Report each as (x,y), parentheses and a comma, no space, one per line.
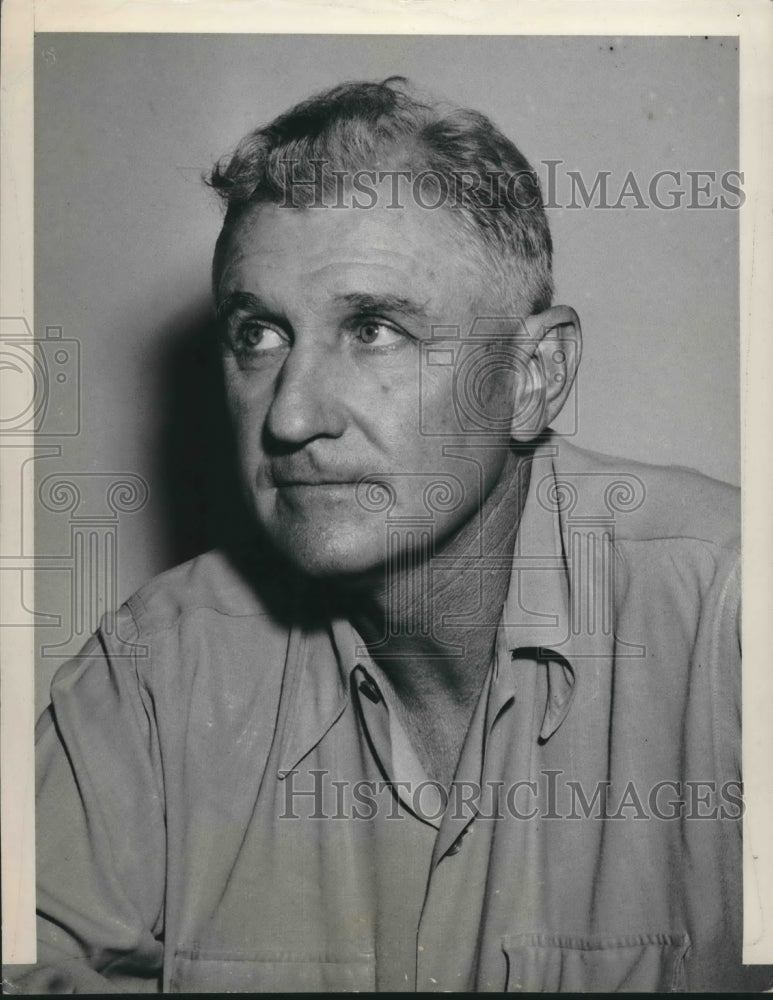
(208,973)
(553,963)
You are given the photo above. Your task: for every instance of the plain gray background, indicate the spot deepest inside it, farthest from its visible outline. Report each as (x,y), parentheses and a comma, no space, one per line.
(124,231)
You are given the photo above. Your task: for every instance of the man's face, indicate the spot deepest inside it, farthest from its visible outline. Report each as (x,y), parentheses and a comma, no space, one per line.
(327,315)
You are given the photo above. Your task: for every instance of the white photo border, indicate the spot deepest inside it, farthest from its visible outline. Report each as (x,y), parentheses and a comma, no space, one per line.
(750,20)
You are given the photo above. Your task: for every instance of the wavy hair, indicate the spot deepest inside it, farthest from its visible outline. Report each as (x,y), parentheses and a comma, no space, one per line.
(365,125)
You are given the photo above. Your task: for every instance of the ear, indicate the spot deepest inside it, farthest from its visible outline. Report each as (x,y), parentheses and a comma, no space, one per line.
(549,352)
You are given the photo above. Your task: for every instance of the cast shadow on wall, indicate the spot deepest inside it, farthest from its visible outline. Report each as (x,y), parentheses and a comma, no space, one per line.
(196,472)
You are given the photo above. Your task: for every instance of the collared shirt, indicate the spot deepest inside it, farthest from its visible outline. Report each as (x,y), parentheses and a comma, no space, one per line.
(227,802)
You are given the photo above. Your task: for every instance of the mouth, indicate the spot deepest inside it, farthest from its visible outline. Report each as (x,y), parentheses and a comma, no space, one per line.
(310,483)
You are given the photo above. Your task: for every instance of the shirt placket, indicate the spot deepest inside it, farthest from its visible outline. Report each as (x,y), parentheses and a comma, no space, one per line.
(457,870)
(392,748)
(459,861)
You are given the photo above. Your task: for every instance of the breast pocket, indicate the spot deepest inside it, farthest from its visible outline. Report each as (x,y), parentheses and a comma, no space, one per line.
(548,963)
(212,973)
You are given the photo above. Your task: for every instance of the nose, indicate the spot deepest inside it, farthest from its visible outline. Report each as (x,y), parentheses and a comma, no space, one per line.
(308,397)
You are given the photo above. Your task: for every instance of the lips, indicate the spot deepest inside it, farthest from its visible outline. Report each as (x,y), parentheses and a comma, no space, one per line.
(281,483)
(285,474)
(304,471)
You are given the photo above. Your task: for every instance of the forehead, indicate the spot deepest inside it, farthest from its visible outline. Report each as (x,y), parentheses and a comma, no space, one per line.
(418,253)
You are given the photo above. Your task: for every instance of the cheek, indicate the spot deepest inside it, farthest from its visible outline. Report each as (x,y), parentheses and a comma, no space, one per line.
(436,412)
(496,386)
(483,392)
(247,406)
(474,402)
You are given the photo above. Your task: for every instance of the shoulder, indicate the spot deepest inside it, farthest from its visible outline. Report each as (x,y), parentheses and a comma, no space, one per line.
(652,502)
(202,623)
(210,583)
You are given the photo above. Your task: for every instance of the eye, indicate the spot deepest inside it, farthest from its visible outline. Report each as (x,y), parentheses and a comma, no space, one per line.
(377,333)
(255,338)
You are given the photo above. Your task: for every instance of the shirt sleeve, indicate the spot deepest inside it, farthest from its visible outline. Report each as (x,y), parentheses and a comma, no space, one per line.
(100,826)
(722,655)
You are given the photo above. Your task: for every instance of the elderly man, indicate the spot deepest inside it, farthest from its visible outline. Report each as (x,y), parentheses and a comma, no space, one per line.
(462,712)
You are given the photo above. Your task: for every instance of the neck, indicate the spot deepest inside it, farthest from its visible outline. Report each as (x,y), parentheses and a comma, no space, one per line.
(417,622)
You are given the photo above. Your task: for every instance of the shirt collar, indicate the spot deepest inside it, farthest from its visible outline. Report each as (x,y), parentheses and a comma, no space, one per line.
(536,615)
(319,678)
(536,625)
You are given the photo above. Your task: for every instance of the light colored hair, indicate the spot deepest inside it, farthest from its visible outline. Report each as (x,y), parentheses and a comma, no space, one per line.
(356,126)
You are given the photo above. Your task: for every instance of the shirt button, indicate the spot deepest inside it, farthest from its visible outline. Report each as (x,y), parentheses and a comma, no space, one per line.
(457,844)
(369,689)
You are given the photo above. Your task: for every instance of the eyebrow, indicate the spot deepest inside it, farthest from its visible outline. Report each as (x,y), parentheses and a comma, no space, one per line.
(365,302)
(235,301)
(361,302)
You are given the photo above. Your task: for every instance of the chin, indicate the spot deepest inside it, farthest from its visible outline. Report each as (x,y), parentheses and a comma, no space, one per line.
(329,551)
(334,542)
(332,563)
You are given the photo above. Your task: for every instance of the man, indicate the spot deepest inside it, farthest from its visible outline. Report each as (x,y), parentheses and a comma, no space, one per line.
(462,713)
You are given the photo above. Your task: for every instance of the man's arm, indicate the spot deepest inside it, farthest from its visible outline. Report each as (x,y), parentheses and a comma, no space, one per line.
(100,830)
